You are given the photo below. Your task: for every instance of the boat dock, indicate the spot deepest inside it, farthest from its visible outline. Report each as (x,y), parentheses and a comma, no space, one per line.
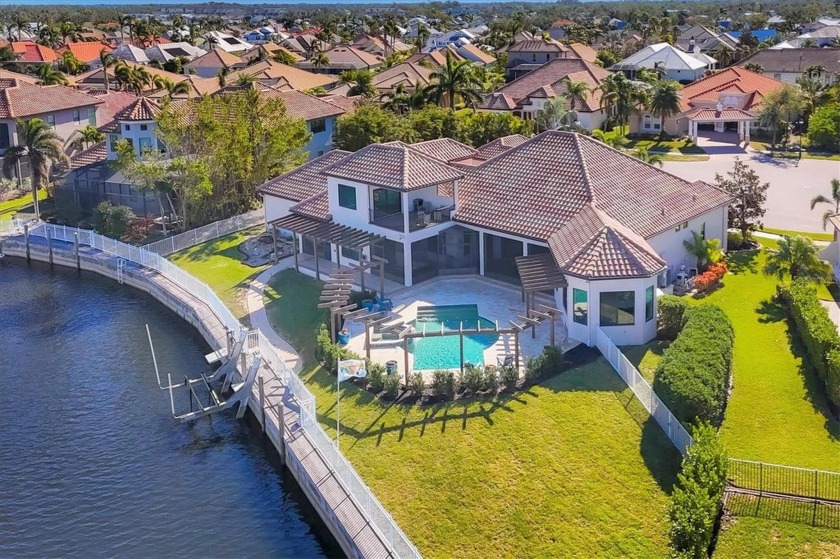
(281,404)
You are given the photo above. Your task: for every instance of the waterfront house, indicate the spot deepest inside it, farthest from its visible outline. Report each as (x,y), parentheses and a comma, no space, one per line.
(612,226)
(210,64)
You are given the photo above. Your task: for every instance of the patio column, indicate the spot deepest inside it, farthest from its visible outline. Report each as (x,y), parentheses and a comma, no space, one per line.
(409,280)
(747,131)
(481,253)
(740,130)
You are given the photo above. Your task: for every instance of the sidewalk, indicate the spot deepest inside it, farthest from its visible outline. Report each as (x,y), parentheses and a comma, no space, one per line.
(259,318)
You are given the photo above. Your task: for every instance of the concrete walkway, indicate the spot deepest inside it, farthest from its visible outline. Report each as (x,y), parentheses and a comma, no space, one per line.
(833,312)
(255,301)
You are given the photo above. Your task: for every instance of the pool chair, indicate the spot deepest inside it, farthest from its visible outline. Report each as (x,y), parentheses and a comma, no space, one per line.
(368,304)
(384,304)
(506,362)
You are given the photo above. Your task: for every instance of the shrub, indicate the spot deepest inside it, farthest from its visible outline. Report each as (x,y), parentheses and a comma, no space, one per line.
(710,277)
(443,383)
(693,376)
(824,127)
(112,221)
(549,362)
(817,332)
(471,380)
(392,385)
(671,315)
(698,494)
(491,379)
(416,383)
(376,377)
(510,377)
(329,353)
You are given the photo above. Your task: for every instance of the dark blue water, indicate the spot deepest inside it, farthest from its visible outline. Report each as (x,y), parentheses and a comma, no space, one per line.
(92,463)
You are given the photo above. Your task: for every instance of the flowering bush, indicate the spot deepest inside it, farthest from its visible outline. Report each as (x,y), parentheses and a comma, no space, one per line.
(710,277)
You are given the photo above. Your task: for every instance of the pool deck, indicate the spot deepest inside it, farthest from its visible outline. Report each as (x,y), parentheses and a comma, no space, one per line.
(496,302)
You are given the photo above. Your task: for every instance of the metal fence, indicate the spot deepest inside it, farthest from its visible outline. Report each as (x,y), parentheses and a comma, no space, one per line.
(784,480)
(382,521)
(644,392)
(206,233)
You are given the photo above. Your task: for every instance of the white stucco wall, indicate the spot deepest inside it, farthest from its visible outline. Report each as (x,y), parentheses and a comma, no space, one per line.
(669,244)
(276,207)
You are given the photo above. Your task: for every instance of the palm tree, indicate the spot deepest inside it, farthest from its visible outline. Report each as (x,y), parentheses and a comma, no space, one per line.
(88,136)
(319,60)
(576,93)
(612,139)
(172,88)
(706,251)
(48,75)
(244,80)
(753,67)
(7,56)
(815,93)
(127,21)
(834,200)
(72,64)
(620,96)
(553,115)
(361,80)
(665,101)
(66,29)
(723,54)
(797,258)
(454,79)
(106,60)
(648,157)
(396,99)
(41,145)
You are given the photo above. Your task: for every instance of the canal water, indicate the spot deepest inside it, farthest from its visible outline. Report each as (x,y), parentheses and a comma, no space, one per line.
(92,463)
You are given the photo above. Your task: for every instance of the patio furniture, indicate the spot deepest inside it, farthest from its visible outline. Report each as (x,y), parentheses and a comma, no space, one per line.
(506,362)
(344,337)
(368,304)
(384,304)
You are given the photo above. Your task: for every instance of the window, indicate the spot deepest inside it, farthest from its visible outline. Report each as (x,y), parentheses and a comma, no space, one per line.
(161,147)
(685,225)
(580,306)
(618,308)
(92,116)
(650,122)
(703,230)
(51,120)
(144,127)
(145,145)
(77,117)
(350,253)
(347,197)
(112,142)
(4,136)
(649,304)
(318,125)
(127,127)
(533,58)
(386,202)
(777,77)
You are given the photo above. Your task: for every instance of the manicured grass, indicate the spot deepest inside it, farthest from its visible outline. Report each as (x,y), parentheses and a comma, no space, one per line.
(747,537)
(777,412)
(218,263)
(786,154)
(24,203)
(814,236)
(646,357)
(655,145)
(684,158)
(572,467)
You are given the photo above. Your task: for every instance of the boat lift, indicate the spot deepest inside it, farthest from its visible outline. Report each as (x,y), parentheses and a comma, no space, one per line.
(228,374)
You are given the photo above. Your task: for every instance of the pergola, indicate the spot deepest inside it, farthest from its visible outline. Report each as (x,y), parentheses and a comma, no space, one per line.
(719,116)
(539,272)
(334,233)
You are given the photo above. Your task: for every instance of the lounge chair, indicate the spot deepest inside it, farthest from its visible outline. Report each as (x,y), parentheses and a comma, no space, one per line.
(506,362)
(368,304)
(384,304)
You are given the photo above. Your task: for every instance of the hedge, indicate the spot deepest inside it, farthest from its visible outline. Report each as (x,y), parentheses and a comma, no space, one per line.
(693,376)
(817,332)
(671,315)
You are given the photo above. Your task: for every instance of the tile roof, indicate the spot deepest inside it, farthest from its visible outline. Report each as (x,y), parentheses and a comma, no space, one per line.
(87,52)
(276,74)
(94,154)
(445,149)
(19,98)
(554,74)
(732,79)
(346,57)
(305,106)
(216,58)
(794,60)
(112,103)
(347,103)
(140,110)
(393,165)
(501,145)
(498,102)
(483,57)
(584,51)
(711,113)
(31,52)
(537,45)
(305,181)
(533,189)
(593,245)
(407,73)
(316,207)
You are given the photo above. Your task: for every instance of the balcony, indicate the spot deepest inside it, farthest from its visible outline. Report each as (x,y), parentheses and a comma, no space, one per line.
(416,220)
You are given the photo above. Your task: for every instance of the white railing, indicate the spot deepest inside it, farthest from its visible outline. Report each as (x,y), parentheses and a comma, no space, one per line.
(644,392)
(187,239)
(382,521)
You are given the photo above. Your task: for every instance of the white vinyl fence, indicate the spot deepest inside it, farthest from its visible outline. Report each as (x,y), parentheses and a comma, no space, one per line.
(381,520)
(644,392)
(187,239)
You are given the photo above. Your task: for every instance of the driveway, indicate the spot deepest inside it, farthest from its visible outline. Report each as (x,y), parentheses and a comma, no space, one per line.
(791,187)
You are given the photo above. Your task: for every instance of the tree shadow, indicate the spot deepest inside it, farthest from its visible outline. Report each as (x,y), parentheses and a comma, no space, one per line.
(743,262)
(770,311)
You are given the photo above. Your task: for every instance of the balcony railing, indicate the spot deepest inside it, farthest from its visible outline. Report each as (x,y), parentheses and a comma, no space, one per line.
(416,219)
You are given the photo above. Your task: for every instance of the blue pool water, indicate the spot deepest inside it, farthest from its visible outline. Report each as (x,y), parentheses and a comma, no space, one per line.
(444,352)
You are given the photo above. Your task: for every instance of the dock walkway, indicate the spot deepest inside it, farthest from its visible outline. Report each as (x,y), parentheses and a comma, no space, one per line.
(316,464)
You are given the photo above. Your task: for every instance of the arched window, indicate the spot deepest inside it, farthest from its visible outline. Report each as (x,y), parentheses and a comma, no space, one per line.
(647,122)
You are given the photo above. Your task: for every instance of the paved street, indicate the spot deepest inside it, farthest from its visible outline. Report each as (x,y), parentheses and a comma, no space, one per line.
(791,188)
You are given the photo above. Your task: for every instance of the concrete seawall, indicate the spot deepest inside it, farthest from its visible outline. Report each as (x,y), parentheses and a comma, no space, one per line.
(346,521)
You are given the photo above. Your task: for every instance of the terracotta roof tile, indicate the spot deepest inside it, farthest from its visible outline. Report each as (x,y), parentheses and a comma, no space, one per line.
(733,79)
(407,73)
(273,73)
(593,245)
(500,145)
(112,103)
(393,165)
(94,154)
(445,149)
(87,52)
(29,51)
(141,109)
(537,45)
(19,98)
(305,106)
(316,207)
(305,181)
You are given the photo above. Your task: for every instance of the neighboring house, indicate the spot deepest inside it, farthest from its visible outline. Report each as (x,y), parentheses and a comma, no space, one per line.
(94,80)
(130,53)
(609,227)
(677,65)
(31,54)
(261,35)
(377,46)
(475,55)
(584,52)
(227,43)
(700,38)
(342,58)
(442,39)
(281,76)
(827,36)
(88,53)
(726,101)
(408,74)
(209,65)
(169,51)
(760,35)
(526,96)
(526,55)
(788,65)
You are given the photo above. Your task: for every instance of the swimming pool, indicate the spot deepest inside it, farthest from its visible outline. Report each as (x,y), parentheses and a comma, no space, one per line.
(444,352)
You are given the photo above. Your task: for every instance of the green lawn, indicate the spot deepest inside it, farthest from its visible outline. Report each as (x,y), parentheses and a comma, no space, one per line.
(655,145)
(646,357)
(747,537)
(219,264)
(814,236)
(23,204)
(571,467)
(778,412)
(786,154)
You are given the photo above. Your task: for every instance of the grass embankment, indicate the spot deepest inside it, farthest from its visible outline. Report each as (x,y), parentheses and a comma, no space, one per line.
(22,204)
(787,154)
(570,467)
(777,412)
(218,263)
(747,537)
